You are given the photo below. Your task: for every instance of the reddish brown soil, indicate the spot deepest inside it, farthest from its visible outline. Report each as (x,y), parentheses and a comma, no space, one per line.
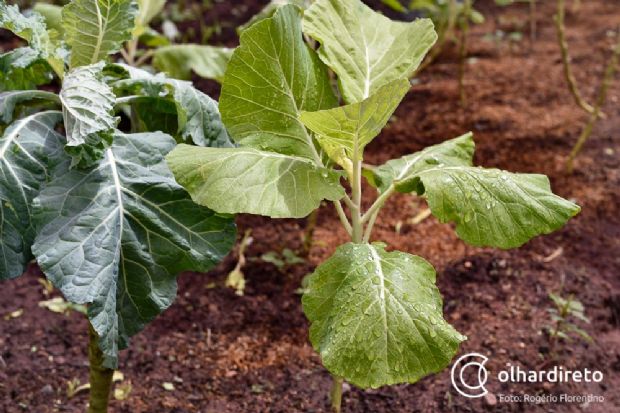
(226,353)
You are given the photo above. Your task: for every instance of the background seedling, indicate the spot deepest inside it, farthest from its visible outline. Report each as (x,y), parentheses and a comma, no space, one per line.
(563,326)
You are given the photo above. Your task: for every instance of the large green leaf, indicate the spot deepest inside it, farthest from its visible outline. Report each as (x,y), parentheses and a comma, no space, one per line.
(271,78)
(457,151)
(9,101)
(490,207)
(23,68)
(197,116)
(95,29)
(180,60)
(377,318)
(344,132)
(250,181)
(87,105)
(364,48)
(116,235)
(29,151)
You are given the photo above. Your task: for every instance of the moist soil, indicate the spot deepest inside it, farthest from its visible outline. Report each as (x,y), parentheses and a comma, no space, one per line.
(228,353)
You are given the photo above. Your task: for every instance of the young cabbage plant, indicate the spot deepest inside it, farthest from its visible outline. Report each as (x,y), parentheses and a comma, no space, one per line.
(145,44)
(97,207)
(376,315)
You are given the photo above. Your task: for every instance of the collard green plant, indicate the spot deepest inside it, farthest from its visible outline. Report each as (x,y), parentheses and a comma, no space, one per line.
(125,26)
(376,315)
(97,207)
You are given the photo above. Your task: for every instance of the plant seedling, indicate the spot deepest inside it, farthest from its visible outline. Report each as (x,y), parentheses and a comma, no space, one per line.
(97,207)
(376,315)
(562,315)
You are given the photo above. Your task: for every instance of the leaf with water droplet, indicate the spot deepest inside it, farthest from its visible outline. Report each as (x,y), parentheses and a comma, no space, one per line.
(402,302)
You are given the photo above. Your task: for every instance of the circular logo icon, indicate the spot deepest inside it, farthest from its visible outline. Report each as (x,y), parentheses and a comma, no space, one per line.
(469,375)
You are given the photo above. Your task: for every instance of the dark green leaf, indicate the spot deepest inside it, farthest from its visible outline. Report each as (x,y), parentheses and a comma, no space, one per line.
(30,149)
(116,235)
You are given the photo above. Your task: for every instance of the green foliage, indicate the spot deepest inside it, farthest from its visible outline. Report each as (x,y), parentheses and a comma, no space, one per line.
(179,61)
(272,77)
(563,315)
(98,208)
(96,28)
(376,316)
(365,49)
(115,236)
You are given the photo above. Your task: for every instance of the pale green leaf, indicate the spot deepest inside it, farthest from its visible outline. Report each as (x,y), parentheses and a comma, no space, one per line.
(179,61)
(116,235)
(148,9)
(377,318)
(87,105)
(490,207)
(271,78)
(344,132)
(95,29)
(268,11)
(52,15)
(453,152)
(23,68)
(9,101)
(245,180)
(364,48)
(29,151)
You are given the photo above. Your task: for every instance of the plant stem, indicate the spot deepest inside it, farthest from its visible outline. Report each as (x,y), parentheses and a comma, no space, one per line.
(463,51)
(100,376)
(357,230)
(343,217)
(309,232)
(600,101)
(533,20)
(568,71)
(335,394)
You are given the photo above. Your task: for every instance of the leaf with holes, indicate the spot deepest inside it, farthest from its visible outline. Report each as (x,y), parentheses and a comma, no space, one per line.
(116,235)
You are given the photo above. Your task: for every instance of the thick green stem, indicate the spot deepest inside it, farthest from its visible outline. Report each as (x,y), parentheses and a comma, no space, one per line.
(600,101)
(336,394)
(568,71)
(357,231)
(100,376)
